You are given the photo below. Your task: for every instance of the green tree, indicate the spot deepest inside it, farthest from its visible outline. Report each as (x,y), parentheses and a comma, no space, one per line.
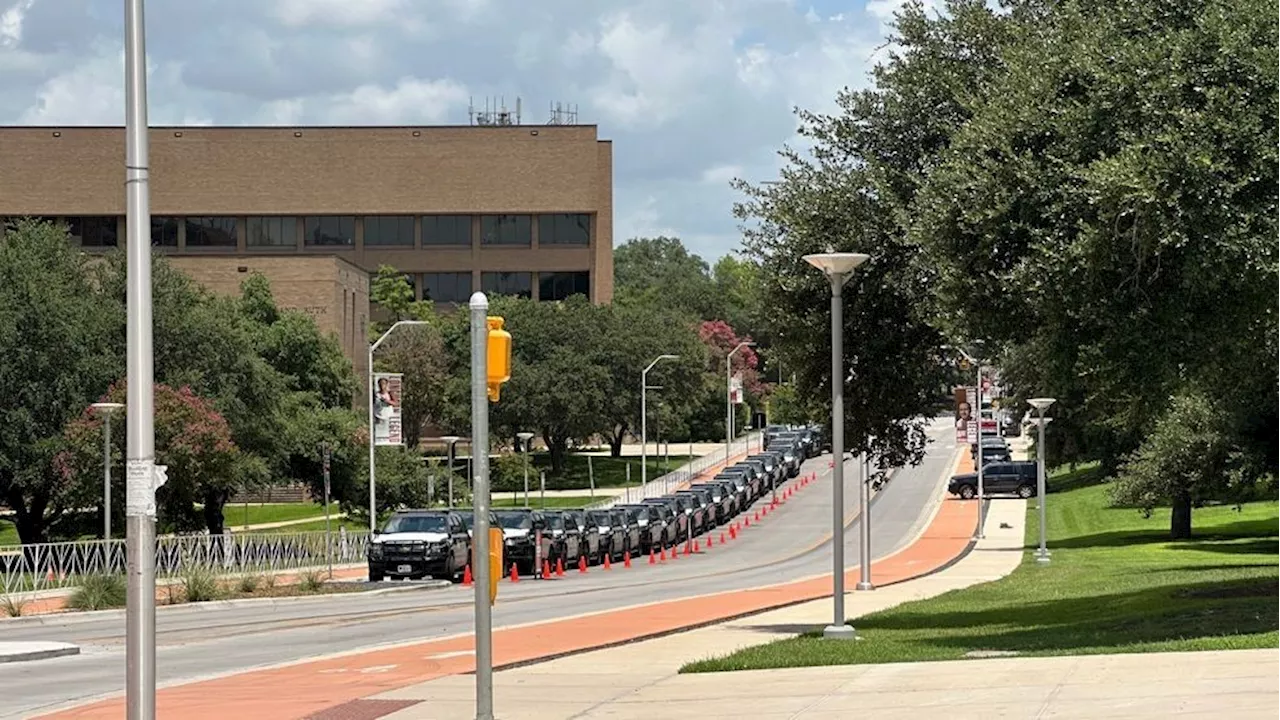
(192,440)
(661,272)
(419,353)
(392,294)
(402,483)
(58,357)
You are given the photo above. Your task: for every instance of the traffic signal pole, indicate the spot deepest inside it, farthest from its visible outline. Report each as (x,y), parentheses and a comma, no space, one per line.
(480,445)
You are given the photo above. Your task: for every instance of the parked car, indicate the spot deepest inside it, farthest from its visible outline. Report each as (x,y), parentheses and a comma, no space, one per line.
(469,518)
(695,510)
(753,473)
(722,496)
(738,487)
(772,464)
(519,531)
(1018,478)
(418,543)
(994,449)
(677,523)
(652,530)
(613,536)
(590,536)
(710,511)
(630,529)
(566,539)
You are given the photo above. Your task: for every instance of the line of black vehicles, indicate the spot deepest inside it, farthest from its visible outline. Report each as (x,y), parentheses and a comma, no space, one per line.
(1001,474)
(416,544)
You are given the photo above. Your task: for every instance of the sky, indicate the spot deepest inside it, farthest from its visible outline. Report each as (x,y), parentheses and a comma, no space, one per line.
(693,93)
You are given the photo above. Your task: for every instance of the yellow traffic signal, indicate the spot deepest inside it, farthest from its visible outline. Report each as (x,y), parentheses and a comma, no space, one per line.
(495,562)
(499,360)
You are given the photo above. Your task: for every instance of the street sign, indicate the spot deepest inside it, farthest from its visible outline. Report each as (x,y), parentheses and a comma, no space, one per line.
(495,562)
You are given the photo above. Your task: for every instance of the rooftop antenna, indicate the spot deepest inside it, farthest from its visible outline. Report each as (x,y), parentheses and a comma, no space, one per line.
(563,114)
(495,113)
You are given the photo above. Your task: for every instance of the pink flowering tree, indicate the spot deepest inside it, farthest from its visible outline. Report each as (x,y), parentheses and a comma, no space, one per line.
(720,339)
(191,438)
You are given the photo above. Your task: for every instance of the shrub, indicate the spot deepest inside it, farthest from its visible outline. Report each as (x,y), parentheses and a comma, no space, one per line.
(249,583)
(99,592)
(13,605)
(311,580)
(201,585)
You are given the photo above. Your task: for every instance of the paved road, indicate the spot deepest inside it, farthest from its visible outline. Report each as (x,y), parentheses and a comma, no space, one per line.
(198,642)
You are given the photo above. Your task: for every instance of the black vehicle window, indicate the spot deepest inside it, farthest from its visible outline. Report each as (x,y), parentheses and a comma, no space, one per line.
(555,522)
(467,519)
(515,521)
(416,524)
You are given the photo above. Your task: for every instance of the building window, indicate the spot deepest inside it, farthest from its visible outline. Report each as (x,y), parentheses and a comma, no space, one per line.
(564,229)
(506,230)
(272,232)
(519,284)
(560,285)
(203,232)
(93,231)
(330,230)
(447,287)
(388,230)
(164,231)
(446,229)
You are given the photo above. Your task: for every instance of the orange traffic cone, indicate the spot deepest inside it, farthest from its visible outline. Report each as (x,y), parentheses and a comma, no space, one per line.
(582,564)
(757,516)
(652,558)
(675,550)
(466,576)
(733,532)
(607,564)
(722,536)
(662,555)
(546,569)
(515,573)
(695,546)
(559,567)
(710,540)
(746,523)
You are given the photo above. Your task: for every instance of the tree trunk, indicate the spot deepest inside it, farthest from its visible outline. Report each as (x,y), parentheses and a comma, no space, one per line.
(1180,520)
(559,448)
(615,440)
(214,503)
(30,522)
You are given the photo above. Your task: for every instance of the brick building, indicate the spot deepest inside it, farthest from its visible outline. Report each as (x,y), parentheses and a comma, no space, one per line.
(521,209)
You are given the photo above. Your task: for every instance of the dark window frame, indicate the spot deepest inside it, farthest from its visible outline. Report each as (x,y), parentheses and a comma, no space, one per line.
(315,228)
(502,279)
(446,230)
(571,278)
(94,231)
(553,226)
(286,225)
(400,226)
(456,279)
(203,224)
(506,230)
(162,225)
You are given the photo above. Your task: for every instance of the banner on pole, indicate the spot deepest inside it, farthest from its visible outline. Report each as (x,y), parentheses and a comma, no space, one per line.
(735,390)
(964,416)
(386,409)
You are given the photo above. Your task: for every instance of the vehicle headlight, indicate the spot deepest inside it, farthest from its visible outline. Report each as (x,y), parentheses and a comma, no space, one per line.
(375,550)
(441,546)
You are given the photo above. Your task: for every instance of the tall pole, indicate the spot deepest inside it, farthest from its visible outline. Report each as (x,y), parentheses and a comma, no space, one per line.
(106,478)
(1041,404)
(838,628)
(451,475)
(140,471)
(982,504)
(328,531)
(864,523)
(728,398)
(644,426)
(480,490)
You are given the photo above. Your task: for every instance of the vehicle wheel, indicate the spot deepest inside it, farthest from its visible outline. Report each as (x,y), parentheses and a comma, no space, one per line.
(968,492)
(451,570)
(375,576)
(1026,491)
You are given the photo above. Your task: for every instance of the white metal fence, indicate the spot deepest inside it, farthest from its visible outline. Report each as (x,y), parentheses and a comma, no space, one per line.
(41,567)
(677,478)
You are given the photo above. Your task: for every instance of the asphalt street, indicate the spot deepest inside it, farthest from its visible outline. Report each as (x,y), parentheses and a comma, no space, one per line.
(195,642)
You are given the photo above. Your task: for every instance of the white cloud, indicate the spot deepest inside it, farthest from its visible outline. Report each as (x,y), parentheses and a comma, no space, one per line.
(693,94)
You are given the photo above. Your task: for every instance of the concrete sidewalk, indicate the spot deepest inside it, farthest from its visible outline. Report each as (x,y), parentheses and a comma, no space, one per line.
(641,680)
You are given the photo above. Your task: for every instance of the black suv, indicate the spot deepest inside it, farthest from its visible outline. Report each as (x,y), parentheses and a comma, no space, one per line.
(1018,478)
(677,522)
(418,543)
(613,537)
(519,530)
(703,497)
(653,531)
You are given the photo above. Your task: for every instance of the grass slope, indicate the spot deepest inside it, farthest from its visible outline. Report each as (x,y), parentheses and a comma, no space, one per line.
(1115,584)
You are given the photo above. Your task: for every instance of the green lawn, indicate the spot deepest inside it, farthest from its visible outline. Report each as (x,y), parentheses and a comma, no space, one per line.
(1115,584)
(609,472)
(504,500)
(8,533)
(255,513)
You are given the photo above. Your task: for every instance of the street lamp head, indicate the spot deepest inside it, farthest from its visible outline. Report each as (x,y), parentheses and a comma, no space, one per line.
(1041,404)
(450,439)
(836,264)
(106,408)
(524,436)
(668,357)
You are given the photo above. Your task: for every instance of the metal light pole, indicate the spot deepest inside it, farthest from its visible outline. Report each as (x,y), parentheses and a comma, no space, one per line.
(838,267)
(525,437)
(451,440)
(864,523)
(1041,404)
(728,397)
(644,417)
(141,473)
(106,409)
(480,501)
(368,398)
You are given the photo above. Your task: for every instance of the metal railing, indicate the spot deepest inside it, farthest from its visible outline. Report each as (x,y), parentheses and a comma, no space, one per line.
(681,476)
(43,567)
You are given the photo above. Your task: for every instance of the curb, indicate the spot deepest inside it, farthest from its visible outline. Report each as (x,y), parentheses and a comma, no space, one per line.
(75,618)
(26,651)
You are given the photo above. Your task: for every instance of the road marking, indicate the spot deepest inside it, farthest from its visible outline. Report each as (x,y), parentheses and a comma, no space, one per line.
(442,656)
